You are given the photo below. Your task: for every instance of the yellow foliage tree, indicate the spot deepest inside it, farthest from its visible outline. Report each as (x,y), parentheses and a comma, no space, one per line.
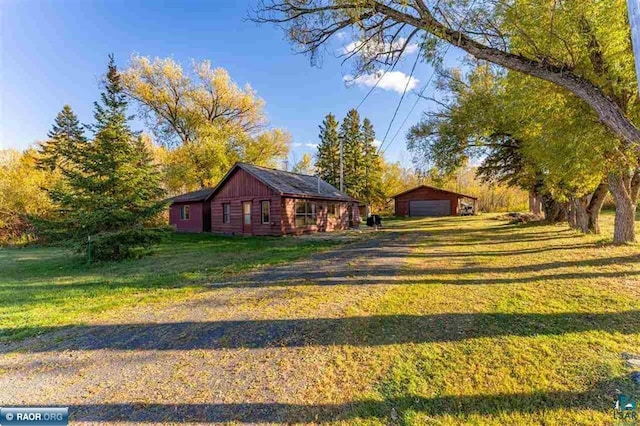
(205,121)
(21,193)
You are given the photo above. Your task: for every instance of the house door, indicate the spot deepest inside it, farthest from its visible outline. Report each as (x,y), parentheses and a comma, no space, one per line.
(246,217)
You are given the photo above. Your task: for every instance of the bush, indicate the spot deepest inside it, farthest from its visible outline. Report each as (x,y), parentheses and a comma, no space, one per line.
(126,244)
(15,229)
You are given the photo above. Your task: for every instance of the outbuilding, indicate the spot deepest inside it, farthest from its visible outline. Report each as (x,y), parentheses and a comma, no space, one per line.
(254,200)
(429,201)
(191,212)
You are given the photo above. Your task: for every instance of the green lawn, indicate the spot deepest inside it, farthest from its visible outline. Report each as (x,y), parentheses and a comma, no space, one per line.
(500,324)
(43,287)
(486,323)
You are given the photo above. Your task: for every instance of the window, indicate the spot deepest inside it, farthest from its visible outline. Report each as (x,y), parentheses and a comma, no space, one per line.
(226,213)
(184,212)
(305,213)
(331,210)
(266,212)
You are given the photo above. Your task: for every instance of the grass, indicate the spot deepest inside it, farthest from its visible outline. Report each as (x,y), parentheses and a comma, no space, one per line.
(486,323)
(44,287)
(521,324)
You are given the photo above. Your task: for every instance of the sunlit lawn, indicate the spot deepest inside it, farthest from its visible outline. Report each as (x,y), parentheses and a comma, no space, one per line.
(500,324)
(44,287)
(488,323)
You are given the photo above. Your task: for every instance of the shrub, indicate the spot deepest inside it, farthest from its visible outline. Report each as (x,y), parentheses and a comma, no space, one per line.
(126,244)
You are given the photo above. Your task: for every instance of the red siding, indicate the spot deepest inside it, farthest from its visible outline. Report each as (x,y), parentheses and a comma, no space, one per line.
(194,224)
(424,193)
(324,222)
(240,187)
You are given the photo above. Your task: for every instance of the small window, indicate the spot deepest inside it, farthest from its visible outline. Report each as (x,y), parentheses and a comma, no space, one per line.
(331,210)
(226,213)
(266,212)
(184,213)
(305,213)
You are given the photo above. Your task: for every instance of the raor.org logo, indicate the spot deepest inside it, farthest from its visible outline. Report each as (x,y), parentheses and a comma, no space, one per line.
(626,411)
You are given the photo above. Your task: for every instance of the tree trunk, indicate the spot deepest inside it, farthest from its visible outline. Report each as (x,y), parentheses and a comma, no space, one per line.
(572,217)
(609,112)
(554,212)
(623,188)
(595,206)
(579,218)
(535,206)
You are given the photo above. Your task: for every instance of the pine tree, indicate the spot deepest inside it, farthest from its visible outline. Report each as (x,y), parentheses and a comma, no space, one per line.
(65,133)
(351,136)
(328,157)
(110,183)
(372,191)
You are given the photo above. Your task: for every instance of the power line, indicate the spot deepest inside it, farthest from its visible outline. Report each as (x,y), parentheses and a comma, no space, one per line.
(464,18)
(389,68)
(395,113)
(404,92)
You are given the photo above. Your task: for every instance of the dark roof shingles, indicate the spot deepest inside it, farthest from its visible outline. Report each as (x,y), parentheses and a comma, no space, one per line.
(199,195)
(289,183)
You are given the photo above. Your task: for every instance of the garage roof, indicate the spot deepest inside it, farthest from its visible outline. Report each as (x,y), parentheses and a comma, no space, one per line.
(435,189)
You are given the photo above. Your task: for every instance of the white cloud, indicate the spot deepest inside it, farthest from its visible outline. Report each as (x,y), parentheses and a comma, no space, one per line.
(393,80)
(375,46)
(377,142)
(304,145)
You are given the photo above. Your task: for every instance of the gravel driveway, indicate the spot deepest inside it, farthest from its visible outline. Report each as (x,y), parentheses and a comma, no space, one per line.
(257,348)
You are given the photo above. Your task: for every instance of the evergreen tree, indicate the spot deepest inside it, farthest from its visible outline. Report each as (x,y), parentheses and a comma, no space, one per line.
(110,183)
(328,157)
(65,133)
(372,168)
(352,143)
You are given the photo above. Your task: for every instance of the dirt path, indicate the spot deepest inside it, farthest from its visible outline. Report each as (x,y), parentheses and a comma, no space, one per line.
(256,348)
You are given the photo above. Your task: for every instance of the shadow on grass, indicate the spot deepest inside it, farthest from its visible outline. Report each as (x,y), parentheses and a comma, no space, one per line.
(601,398)
(311,273)
(355,331)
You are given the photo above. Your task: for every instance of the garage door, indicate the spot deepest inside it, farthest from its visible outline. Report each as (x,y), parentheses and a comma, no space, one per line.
(430,208)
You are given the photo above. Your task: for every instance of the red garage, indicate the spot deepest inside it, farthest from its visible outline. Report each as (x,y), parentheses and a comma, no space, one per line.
(429,201)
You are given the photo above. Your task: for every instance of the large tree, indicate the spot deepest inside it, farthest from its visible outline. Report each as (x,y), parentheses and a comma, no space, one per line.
(353,155)
(110,183)
(207,119)
(581,46)
(372,169)
(328,156)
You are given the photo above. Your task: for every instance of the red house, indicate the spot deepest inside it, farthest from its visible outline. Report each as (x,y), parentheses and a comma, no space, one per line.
(429,201)
(253,200)
(191,212)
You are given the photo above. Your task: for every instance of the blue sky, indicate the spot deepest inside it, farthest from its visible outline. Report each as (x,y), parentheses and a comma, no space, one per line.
(53,53)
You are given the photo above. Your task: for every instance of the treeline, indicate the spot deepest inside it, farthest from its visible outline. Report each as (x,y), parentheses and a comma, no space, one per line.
(362,165)
(371,179)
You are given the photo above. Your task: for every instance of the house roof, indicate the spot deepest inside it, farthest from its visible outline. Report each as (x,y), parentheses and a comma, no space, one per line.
(289,183)
(435,189)
(199,195)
